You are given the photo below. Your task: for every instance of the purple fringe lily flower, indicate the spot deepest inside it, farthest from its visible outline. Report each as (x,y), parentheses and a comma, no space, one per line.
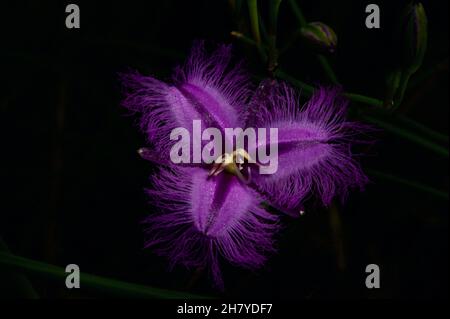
(204,217)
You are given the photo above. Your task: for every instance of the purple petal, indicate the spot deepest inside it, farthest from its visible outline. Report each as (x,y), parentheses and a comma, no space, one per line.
(205,89)
(314,144)
(210,81)
(202,218)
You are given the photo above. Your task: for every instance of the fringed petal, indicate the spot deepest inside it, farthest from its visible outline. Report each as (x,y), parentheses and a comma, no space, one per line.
(205,89)
(314,145)
(201,218)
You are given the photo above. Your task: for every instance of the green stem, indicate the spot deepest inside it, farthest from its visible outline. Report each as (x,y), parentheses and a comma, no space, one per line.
(424,129)
(363,99)
(408,135)
(404,121)
(322,59)
(273,52)
(20,280)
(87,280)
(309,89)
(254,21)
(412,184)
(406,75)
(274,8)
(328,69)
(306,88)
(298,13)
(263,30)
(243,38)
(392,84)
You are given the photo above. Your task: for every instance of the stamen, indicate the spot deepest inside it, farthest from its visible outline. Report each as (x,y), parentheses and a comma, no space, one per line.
(242,178)
(233,164)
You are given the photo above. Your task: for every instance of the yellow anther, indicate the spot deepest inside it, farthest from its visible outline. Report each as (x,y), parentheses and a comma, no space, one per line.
(232,164)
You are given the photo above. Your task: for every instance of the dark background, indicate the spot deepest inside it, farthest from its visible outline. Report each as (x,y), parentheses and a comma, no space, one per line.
(72,182)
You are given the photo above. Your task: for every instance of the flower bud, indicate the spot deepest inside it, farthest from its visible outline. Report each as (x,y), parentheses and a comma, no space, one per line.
(414,25)
(320,35)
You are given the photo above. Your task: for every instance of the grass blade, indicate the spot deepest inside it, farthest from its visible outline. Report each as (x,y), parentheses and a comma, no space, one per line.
(108,285)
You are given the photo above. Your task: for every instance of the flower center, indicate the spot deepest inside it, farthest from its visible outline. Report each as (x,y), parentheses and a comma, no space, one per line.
(233,163)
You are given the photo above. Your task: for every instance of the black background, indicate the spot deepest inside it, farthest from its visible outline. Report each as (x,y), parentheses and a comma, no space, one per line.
(72,182)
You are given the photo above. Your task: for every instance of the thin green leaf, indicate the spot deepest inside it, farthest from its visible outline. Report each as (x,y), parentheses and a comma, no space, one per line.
(108,285)
(424,129)
(298,13)
(411,136)
(19,280)
(412,184)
